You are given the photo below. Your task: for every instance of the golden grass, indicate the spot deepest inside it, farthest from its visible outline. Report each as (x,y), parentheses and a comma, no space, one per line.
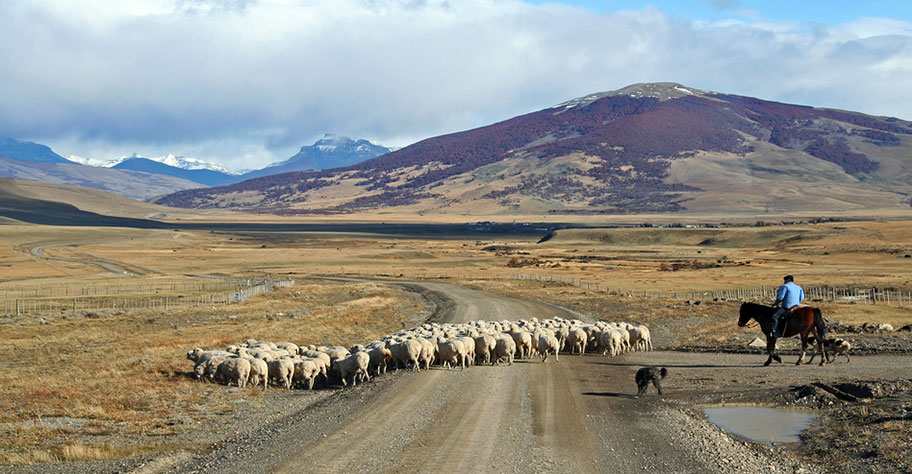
(125,373)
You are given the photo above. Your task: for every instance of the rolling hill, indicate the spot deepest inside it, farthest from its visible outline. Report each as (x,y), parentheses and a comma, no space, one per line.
(29,151)
(134,184)
(202,176)
(54,204)
(646,148)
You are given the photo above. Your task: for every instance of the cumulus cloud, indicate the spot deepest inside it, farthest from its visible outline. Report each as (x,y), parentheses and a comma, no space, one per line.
(246,82)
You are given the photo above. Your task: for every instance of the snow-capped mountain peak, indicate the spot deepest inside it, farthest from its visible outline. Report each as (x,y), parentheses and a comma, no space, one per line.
(188,163)
(177,161)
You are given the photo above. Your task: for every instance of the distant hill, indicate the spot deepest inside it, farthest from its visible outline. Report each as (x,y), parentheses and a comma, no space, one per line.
(33,202)
(206,177)
(134,184)
(331,151)
(28,151)
(646,148)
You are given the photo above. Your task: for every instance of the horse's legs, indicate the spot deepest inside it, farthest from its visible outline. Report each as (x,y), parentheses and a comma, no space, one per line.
(804,345)
(825,358)
(771,350)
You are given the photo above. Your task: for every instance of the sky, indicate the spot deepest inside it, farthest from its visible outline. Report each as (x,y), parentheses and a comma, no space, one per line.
(244,83)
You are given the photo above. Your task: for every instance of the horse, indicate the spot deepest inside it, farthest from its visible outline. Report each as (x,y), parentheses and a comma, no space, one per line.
(803,321)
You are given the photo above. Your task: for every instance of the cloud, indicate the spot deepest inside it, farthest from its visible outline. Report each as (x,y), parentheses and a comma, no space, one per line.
(248,82)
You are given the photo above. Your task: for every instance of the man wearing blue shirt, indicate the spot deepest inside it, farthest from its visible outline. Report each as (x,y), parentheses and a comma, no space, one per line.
(788,297)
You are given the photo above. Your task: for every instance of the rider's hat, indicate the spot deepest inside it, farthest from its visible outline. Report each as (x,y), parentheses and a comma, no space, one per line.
(789,278)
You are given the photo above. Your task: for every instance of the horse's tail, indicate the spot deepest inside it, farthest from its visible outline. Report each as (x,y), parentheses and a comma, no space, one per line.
(821,326)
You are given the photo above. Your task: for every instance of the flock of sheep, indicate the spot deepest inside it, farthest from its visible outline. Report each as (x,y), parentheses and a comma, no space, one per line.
(289,365)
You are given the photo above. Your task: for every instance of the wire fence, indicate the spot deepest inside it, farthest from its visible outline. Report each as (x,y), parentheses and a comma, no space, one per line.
(845,294)
(20,306)
(115,288)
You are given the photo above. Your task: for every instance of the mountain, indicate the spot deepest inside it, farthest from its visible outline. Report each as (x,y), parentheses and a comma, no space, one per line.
(646,148)
(134,184)
(206,177)
(28,151)
(331,151)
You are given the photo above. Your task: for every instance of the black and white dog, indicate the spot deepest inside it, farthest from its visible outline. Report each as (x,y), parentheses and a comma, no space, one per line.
(831,346)
(649,374)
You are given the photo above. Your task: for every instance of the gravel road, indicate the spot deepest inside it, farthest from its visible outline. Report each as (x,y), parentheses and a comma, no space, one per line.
(576,415)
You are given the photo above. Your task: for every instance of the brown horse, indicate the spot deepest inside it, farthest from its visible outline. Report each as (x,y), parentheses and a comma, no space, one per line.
(803,321)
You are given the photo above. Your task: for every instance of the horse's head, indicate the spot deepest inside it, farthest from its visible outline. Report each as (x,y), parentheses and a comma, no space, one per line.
(745,315)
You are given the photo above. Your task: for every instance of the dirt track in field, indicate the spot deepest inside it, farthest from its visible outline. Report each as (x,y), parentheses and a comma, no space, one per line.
(576,415)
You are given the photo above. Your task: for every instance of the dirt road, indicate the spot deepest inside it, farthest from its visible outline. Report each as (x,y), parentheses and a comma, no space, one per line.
(576,415)
(38,252)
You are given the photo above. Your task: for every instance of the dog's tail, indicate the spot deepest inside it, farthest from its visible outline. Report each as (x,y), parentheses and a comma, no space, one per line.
(821,326)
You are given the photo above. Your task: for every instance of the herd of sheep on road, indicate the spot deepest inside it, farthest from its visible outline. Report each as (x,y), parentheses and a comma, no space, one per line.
(288,365)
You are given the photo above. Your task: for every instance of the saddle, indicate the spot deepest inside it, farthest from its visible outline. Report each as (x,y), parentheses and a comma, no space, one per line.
(783,323)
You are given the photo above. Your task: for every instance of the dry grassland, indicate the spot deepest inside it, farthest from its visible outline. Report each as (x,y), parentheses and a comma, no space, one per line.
(123,375)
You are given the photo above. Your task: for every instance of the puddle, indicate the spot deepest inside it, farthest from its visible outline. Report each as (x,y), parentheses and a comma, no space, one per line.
(761,424)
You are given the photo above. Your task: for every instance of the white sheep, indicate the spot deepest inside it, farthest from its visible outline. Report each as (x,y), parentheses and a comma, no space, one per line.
(470,350)
(484,347)
(379,358)
(523,341)
(504,349)
(281,371)
(548,344)
(405,352)
(452,353)
(234,370)
(207,369)
(610,341)
(577,339)
(428,352)
(354,365)
(305,372)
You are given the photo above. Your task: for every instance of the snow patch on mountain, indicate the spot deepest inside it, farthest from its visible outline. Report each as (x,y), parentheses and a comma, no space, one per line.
(93,161)
(176,161)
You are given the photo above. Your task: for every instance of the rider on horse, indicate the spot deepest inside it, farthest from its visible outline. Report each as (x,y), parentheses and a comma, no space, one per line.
(789,296)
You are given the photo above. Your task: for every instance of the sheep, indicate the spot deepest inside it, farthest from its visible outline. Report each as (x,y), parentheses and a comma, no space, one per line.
(336,353)
(470,350)
(281,371)
(639,338)
(234,370)
(405,352)
(577,339)
(625,338)
(379,358)
(452,352)
(207,369)
(610,341)
(546,345)
(199,355)
(523,342)
(259,370)
(428,352)
(354,365)
(305,372)
(562,334)
(504,349)
(484,346)
(289,347)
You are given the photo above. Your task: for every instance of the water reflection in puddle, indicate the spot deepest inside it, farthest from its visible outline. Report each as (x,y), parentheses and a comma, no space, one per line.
(760,424)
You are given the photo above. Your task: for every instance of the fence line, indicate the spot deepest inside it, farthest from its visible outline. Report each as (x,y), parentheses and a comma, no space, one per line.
(52,291)
(21,306)
(846,294)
